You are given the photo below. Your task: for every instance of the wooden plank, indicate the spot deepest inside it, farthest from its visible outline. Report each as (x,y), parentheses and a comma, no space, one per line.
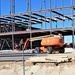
(49,59)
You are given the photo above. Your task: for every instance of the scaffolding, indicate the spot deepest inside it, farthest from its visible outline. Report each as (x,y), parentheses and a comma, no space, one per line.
(50,18)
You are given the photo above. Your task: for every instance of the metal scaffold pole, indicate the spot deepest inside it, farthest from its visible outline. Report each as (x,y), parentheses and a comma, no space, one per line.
(45,12)
(0,7)
(27,1)
(23,58)
(72,24)
(29,21)
(55,3)
(0,24)
(13,21)
(63,11)
(30,24)
(0,15)
(41,12)
(55,7)
(50,18)
(27,4)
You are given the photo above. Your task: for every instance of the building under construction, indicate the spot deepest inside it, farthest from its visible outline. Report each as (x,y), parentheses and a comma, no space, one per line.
(52,17)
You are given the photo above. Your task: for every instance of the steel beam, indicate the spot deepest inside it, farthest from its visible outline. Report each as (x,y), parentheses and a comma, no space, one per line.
(36,31)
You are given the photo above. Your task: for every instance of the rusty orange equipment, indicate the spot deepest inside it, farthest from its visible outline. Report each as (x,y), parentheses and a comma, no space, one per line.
(51,43)
(48,44)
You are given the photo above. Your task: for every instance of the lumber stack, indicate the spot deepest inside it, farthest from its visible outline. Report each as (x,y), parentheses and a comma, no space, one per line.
(53,58)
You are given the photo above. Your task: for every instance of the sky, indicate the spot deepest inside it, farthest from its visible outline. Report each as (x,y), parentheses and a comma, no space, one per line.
(21,6)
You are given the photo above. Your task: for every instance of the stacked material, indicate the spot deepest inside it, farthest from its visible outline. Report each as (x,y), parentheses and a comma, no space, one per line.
(53,58)
(45,65)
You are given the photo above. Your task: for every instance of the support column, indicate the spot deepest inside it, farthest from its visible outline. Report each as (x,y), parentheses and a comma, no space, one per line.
(72,24)
(50,18)
(0,15)
(13,25)
(45,12)
(63,11)
(41,12)
(30,24)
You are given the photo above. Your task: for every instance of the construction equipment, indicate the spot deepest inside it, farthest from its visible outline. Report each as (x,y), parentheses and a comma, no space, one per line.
(48,43)
(51,44)
(35,40)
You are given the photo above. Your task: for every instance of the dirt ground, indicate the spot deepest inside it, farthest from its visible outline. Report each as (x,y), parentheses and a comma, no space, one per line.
(16,68)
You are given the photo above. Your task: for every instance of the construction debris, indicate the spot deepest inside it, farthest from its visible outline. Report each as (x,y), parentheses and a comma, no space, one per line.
(59,64)
(53,58)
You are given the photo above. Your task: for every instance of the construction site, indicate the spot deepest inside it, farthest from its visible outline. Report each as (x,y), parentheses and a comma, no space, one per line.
(32,42)
(34,23)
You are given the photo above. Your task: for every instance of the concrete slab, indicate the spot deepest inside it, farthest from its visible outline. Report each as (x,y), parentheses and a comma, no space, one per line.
(69,50)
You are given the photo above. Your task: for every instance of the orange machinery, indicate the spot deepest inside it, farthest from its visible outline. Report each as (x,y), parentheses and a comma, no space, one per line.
(49,43)
(52,43)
